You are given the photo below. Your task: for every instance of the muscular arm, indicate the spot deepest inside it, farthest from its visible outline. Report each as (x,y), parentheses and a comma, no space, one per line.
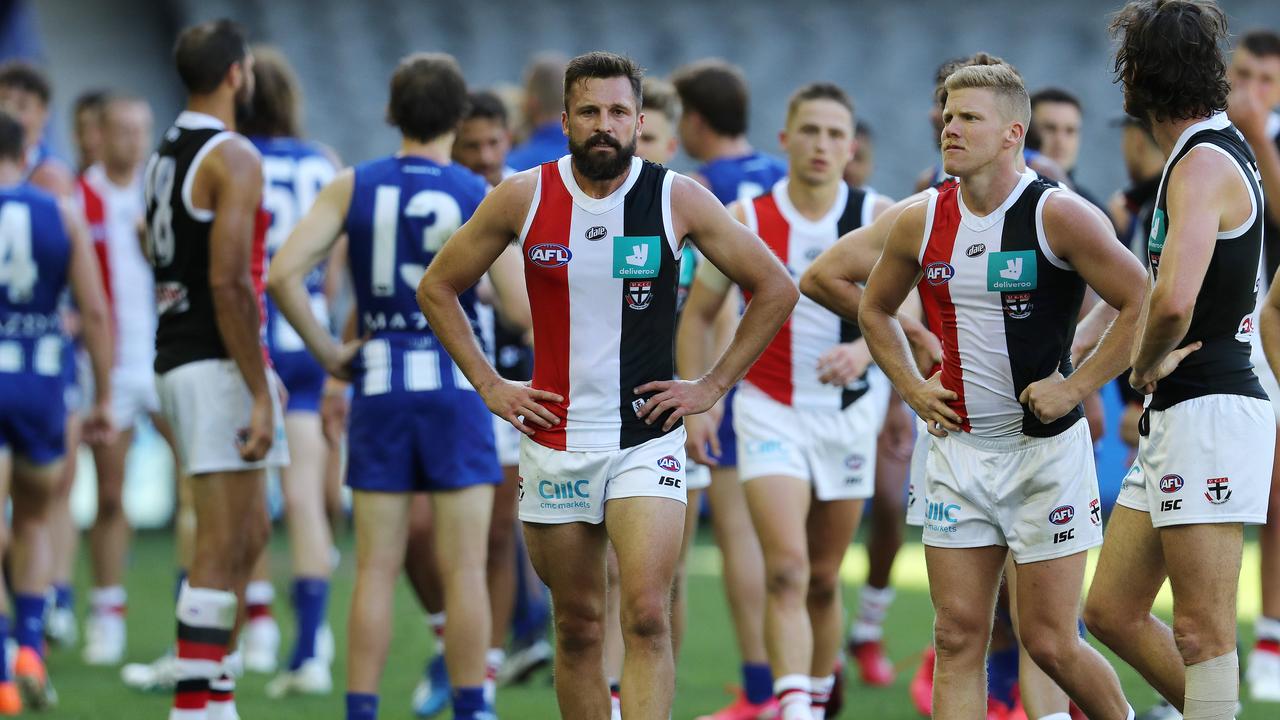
(1198,187)
(1081,237)
(91,302)
(311,241)
(889,284)
(235,173)
(511,299)
(748,263)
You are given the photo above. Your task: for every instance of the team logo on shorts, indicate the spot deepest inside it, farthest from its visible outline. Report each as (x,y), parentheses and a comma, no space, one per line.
(550,255)
(975,250)
(1171,484)
(636,405)
(1062,514)
(1132,476)
(939,273)
(911,495)
(596,232)
(1095,511)
(521,489)
(1017,305)
(670,463)
(639,294)
(1218,491)
(855,462)
(1244,332)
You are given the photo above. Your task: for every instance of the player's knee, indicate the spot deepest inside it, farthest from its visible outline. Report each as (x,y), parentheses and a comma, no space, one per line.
(957,637)
(823,583)
(578,629)
(1050,649)
(647,617)
(1103,622)
(1198,640)
(110,507)
(787,574)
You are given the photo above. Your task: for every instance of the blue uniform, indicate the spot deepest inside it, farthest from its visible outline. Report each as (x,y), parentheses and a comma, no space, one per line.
(293,173)
(547,142)
(35,254)
(730,179)
(416,423)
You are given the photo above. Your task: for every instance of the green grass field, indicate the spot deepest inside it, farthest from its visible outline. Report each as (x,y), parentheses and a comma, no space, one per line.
(709,662)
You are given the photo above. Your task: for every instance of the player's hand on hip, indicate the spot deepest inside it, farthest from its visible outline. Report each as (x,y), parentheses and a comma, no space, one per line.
(844,363)
(1145,382)
(99,428)
(929,400)
(1050,398)
(256,440)
(702,443)
(521,405)
(339,363)
(926,350)
(675,399)
(334,408)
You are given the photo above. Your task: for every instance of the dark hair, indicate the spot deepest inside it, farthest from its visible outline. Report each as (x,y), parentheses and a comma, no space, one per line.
(1055,95)
(206,51)
(485,105)
(660,96)
(1263,43)
(428,96)
(818,91)
(276,107)
(11,138)
(862,129)
(603,65)
(25,76)
(90,101)
(1170,58)
(717,91)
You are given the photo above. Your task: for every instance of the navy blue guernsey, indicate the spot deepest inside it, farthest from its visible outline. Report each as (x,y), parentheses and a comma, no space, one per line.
(743,177)
(35,255)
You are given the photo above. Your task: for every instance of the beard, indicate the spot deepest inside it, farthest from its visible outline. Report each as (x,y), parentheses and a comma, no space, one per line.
(601,167)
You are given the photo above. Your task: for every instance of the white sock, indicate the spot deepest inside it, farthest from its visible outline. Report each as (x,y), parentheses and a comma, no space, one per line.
(1265,628)
(259,592)
(820,694)
(436,622)
(493,659)
(1213,688)
(794,702)
(108,599)
(873,606)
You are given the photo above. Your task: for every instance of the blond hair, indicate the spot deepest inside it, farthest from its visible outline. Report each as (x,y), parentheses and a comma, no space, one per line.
(660,96)
(1002,79)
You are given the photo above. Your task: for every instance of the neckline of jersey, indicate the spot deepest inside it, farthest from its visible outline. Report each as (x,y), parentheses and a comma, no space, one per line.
(192,120)
(597,206)
(1216,121)
(794,217)
(984,222)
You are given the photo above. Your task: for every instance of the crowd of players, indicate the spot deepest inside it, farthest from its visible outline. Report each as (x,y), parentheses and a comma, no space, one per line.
(405,295)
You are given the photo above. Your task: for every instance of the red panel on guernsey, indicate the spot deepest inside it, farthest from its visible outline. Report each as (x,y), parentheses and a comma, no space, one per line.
(258,271)
(772,372)
(548,290)
(939,311)
(95,213)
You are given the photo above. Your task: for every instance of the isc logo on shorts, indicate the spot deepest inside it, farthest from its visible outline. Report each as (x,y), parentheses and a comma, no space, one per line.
(939,273)
(670,463)
(1062,514)
(1171,483)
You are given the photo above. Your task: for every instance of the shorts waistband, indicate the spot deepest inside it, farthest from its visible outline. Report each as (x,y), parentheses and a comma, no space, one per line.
(1011,443)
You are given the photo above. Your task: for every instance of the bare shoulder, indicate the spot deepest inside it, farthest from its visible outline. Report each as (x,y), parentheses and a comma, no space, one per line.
(509,203)
(237,158)
(55,177)
(882,203)
(1202,168)
(1067,212)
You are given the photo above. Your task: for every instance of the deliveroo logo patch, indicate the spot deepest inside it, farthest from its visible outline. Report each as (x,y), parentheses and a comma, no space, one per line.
(1014,270)
(1155,242)
(637,257)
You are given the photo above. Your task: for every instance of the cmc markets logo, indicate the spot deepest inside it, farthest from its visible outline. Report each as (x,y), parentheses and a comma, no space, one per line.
(596,232)
(942,512)
(550,255)
(670,463)
(568,490)
(1171,484)
(939,273)
(1062,514)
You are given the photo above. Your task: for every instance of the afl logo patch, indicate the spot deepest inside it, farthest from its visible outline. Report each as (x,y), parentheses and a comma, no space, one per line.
(1170,484)
(596,232)
(975,250)
(550,255)
(670,463)
(939,273)
(1062,514)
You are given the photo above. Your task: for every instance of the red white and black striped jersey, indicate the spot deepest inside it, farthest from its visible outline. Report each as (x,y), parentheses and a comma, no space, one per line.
(602,275)
(1002,304)
(787,371)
